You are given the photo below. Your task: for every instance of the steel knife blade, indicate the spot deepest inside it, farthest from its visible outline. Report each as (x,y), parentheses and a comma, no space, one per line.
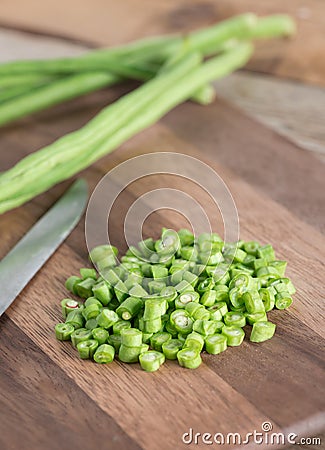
(19,266)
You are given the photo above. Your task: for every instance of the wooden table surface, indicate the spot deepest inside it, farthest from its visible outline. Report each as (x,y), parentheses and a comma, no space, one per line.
(51,399)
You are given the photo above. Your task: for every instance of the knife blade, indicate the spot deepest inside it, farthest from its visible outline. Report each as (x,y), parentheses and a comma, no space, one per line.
(19,266)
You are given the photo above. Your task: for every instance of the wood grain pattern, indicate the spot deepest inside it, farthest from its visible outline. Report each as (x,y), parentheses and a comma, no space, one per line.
(281,381)
(41,407)
(103,22)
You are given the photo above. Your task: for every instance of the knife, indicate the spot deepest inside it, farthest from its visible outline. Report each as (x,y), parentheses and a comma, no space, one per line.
(19,266)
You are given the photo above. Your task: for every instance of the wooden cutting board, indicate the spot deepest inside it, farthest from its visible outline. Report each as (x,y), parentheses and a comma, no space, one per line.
(51,399)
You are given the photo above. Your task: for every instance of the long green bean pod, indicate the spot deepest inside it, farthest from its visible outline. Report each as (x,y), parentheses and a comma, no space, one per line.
(58,170)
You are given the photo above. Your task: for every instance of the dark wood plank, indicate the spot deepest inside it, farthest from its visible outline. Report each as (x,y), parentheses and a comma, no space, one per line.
(42,407)
(265,160)
(276,370)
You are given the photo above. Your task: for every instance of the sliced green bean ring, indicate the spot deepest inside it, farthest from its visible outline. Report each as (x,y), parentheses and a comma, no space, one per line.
(87,348)
(121,325)
(171,348)
(262,331)
(152,326)
(75,318)
(79,335)
(63,331)
(218,310)
(194,341)
(186,297)
(100,335)
(284,284)
(68,305)
(204,327)
(71,284)
(131,337)
(256,317)
(151,360)
(93,301)
(251,247)
(205,285)
(208,298)
(104,354)
(242,281)
(154,308)
(234,318)
(129,354)
(268,298)
(222,292)
(234,335)
(91,324)
(216,343)
(218,324)
(282,300)
(253,302)
(189,358)
(115,341)
(158,339)
(236,297)
(181,320)
(129,308)
(107,318)
(191,307)
(91,311)
(168,293)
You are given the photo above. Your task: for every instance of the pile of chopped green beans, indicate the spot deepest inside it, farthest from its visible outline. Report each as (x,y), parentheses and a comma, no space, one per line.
(172,299)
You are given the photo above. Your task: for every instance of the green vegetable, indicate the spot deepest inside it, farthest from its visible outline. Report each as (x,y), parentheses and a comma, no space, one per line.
(194,341)
(104,354)
(167,324)
(150,361)
(113,125)
(100,335)
(189,358)
(80,335)
(262,331)
(129,308)
(68,305)
(107,318)
(63,331)
(171,348)
(216,343)
(87,348)
(75,319)
(158,339)
(234,335)
(235,318)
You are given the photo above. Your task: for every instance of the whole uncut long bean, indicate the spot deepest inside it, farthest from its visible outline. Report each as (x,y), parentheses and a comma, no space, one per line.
(180,91)
(205,41)
(208,41)
(29,79)
(53,94)
(108,119)
(105,123)
(66,89)
(14,92)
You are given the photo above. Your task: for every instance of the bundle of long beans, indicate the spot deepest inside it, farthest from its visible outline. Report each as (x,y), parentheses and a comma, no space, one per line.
(174,69)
